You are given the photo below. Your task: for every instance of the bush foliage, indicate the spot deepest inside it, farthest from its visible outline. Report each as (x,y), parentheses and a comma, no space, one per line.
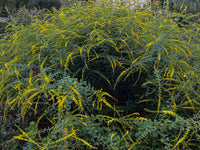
(101,76)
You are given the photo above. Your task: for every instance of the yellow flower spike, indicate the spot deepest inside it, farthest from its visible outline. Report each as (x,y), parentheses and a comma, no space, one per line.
(25,137)
(64,138)
(182,139)
(155,68)
(111,138)
(172,72)
(169,112)
(86,143)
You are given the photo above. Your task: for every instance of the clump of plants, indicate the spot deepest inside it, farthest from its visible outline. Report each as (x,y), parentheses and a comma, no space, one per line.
(101,76)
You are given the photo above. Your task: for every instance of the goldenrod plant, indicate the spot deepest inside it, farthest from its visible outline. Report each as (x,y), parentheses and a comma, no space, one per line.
(100,76)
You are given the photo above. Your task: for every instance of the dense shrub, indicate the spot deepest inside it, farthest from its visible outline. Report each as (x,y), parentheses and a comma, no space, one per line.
(41,4)
(60,72)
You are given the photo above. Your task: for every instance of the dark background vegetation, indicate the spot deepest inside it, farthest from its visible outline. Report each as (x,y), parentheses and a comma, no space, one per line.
(131,79)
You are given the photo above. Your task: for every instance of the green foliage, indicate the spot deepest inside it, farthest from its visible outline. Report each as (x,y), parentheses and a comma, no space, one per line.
(3,25)
(26,17)
(7,131)
(168,133)
(64,72)
(179,5)
(87,128)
